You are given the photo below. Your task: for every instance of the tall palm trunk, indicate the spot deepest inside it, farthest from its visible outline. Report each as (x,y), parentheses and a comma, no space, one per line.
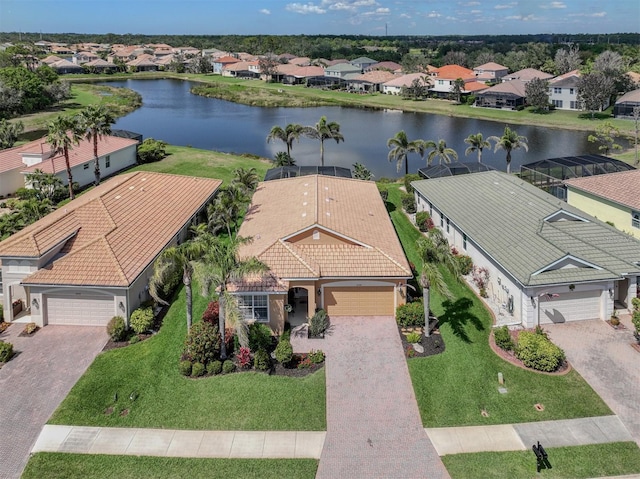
(69,175)
(479,155)
(406,165)
(508,162)
(96,167)
(186,279)
(321,152)
(221,326)
(426,303)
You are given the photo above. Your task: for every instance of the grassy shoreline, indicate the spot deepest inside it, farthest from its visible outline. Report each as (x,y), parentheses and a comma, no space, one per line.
(259,93)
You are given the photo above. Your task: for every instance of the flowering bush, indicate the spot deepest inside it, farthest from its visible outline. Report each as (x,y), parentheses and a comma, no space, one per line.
(305,362)
(481,280)
(316,357)
(212,313)
(410,352)
(454,251)
(244,358)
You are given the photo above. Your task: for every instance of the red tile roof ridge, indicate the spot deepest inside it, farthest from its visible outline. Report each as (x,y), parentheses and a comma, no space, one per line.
(299,256)
(393,260)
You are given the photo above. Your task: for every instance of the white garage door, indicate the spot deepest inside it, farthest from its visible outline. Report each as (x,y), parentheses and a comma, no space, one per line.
(570,307)
(79,309)
(359,301)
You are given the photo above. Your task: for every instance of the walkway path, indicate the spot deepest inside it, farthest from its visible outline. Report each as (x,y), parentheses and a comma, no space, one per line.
(374,428)
(34,382)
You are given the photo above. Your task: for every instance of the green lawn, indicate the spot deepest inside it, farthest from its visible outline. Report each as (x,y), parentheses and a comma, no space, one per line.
(567,463)
(183,160)
(242,401)
(81,466)
(454,387)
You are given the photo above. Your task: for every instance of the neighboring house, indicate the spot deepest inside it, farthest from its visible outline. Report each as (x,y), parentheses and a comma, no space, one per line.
(548,262)
(612,198)
(341,70)
(527,75)
(143,63)
(300,61)
(290,74)
(91,259)
(81,58)
(626,103)
(490,72)
(241,70)
(65,66)
(50,59)
(445,77)
(507,95)
(394,86)
(329,243)
(370,81)
(220,63)
(363,63)
(100,66)
(388,66)
(563,91)
(114,154)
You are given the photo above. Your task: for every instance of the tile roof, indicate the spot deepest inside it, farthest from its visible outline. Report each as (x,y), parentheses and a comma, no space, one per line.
(527,74)
(113,232)
(620,187)
(509,226)
(490,66)
(513,87)
(405,80)
(78,154)
(226,60)
(569,79)
(453,72)
(630,96)
(474,86)
(344,208)
(392,66)
(375,76)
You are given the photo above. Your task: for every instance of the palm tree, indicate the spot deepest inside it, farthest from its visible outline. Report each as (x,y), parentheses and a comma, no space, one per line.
(220,266)
(283,158)
(441,151)
(457,88)
(435,253)
(476,143)
(96,122)
(400,149)
(181,257)
(323,130)
(509,141)
(62,134)
(291,132)
(226,209)
(246,179)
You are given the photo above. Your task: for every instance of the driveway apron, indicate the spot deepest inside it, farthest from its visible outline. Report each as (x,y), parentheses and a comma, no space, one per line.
(605,359)
(35,382)
(373,424)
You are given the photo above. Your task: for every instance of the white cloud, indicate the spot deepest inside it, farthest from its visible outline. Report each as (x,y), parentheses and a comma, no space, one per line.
(523,18)
(470,4)
(405,15)
(502,7)
(554,5)
(305,8)
(433,14)
(593,15)
(264,11)
(476,12)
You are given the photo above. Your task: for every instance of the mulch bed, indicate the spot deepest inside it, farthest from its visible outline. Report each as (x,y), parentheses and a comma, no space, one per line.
(619,326)
(24,333)
(293,371)
(4,326)
(432,345)
(121,344)
(510,356)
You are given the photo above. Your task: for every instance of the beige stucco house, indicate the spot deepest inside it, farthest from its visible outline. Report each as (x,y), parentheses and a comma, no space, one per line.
(91,259)
(612,197)
(329,243)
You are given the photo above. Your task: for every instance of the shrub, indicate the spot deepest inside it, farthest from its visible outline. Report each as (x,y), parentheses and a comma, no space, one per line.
(481,280)
(244,358)
(116,328)
(284,352)
(30,328)
(228,366)
(262,360)
(408,179)
(151,150)
(316,357)
(214,367)
(635,319)
(6,352)
(421,220)
(197,370)
(134,339)
(384,192)
(409,202)
(465,264)
(203,343)
(410,314)
(305,362)
(538,352)
(185,367)
(260,337)
(318,323)
(414,337)
(141,320)
(636,304)
(503,338)
(212,313)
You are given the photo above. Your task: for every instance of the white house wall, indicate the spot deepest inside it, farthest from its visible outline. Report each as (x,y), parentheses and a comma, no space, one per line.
(10,181)
(84,175)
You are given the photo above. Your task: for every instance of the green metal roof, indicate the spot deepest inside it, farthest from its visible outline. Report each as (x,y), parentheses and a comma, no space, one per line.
(505,217)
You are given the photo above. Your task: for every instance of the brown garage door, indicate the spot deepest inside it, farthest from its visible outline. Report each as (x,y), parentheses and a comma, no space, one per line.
(79,309)
(359,301)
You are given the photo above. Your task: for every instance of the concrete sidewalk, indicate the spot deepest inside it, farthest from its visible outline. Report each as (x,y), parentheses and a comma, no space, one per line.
(177,443)
(520,437)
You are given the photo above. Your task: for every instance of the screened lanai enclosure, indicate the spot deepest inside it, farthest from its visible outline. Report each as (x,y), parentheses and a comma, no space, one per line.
(293,171)
(550,174)
(453,169)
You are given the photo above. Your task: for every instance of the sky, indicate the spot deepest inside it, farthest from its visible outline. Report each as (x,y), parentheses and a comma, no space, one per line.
(321,17)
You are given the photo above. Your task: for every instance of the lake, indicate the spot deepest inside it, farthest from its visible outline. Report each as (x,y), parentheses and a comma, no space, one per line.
(172,114)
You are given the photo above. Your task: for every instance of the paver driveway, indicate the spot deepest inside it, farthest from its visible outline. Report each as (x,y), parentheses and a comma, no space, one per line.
(605,359)
(33,384)
(373,424)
